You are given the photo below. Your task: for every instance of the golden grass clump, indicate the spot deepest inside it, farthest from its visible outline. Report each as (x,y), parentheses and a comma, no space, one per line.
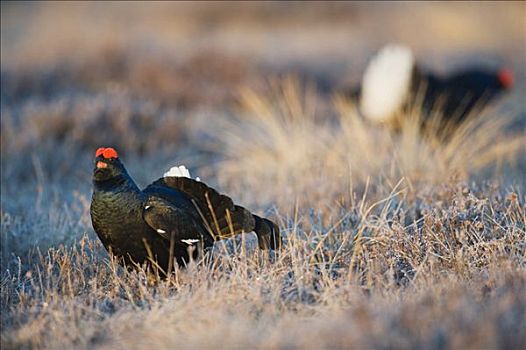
(282,140)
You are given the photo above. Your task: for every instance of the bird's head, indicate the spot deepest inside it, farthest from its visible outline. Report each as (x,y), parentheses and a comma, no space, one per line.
(505,78)
(107,165)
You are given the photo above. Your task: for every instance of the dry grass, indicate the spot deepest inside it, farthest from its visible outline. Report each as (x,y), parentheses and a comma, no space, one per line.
(315,153)
(448,271)
(392,240)
(384,247)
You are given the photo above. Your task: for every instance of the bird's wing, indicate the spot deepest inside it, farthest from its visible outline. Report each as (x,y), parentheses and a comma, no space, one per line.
(174,223)
(221,216)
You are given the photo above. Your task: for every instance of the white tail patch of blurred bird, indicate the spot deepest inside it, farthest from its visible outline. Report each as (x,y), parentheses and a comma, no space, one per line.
(386,82)
(179,171)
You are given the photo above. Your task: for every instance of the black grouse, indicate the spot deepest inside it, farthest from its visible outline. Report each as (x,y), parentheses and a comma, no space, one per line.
(393,80)
(171,217)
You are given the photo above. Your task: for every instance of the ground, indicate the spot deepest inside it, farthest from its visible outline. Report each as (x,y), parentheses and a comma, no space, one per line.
(391,240)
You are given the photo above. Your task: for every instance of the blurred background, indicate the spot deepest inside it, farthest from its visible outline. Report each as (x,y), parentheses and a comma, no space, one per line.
(168,83)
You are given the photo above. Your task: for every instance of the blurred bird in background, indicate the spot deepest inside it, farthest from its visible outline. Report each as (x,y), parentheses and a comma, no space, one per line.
(394,81)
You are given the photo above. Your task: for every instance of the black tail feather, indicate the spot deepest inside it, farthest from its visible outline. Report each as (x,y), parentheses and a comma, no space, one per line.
(268,234)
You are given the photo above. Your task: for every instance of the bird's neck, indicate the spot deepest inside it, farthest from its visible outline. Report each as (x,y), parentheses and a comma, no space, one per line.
(122,182)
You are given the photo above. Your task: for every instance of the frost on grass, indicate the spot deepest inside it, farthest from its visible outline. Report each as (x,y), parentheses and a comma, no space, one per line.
(386,235)
(445,268)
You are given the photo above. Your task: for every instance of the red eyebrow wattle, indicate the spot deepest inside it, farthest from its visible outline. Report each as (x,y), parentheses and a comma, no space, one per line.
(109,153)
(505,77)
(99,151)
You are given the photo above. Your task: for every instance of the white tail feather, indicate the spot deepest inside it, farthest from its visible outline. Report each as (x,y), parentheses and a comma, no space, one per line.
(386,82)
(179,171)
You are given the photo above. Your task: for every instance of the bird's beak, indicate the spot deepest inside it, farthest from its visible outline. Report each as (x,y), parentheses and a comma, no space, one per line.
(101,165)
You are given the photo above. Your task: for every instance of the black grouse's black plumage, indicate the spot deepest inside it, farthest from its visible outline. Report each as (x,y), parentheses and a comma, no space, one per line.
(167,218)
(457,94)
